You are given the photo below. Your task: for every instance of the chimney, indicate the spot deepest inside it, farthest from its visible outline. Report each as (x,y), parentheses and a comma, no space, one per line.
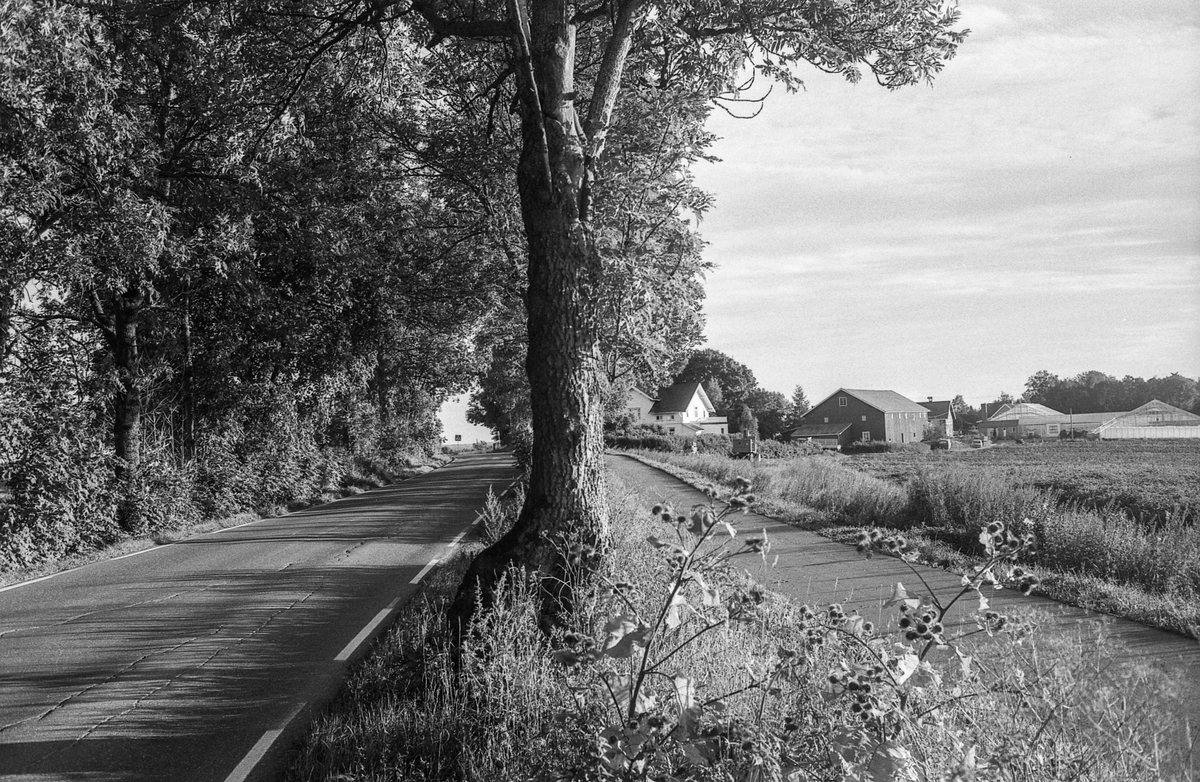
(930,399)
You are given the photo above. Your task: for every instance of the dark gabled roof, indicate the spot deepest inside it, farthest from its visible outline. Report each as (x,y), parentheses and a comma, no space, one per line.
(674,399)
(883,401)
(816,430)
(939,409)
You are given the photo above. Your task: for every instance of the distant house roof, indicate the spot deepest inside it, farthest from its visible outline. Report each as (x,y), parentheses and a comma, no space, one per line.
(675,399)
(939,410)
(816,430)
(883,401)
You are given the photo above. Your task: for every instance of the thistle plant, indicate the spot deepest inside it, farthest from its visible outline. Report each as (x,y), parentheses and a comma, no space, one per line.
(892,687)
(657,721)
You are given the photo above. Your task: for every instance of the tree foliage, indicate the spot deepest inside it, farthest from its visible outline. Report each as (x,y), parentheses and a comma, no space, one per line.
(1097,392)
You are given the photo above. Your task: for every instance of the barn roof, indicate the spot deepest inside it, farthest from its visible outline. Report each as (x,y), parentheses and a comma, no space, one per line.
(883,401)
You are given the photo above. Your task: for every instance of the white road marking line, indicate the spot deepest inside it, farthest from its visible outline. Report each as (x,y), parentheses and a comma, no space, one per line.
(235,526)
(86,564)
(417,578)
(458,538)
(260,749)
(27,583)
(133,553)
(366,631)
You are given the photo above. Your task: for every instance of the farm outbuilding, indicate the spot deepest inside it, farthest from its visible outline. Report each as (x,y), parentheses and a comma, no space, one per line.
(1154,420)
(941,415)
(832,436)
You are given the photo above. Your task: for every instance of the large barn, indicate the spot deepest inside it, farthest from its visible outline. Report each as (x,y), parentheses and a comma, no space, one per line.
(861,415)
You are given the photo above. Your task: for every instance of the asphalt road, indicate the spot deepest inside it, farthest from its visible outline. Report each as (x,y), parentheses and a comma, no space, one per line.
(819,571)
(200,660)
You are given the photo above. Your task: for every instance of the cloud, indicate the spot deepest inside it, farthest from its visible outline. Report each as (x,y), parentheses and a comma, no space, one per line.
(1046,189)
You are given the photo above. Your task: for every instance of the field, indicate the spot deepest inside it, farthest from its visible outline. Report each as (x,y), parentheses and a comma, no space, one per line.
(1148,480)
(1117,525)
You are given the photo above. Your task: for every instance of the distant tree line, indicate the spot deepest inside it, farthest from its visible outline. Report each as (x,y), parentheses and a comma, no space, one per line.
(1097,392)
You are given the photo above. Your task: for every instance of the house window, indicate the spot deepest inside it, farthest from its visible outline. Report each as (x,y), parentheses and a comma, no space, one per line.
(866,437)
(1052,428)
(672,430)
(722,430)
(841,401)
(658,418)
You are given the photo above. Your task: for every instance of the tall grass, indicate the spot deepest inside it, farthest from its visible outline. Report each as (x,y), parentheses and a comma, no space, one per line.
(950,503)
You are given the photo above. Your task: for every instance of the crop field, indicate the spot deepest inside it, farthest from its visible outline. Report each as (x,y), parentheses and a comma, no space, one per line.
(1147,479)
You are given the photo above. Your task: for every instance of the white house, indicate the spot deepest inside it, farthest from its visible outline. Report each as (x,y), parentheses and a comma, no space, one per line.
(682,409)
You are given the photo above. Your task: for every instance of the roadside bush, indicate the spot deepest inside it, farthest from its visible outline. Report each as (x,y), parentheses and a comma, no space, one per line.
(1114,547)
(714,443)
(775,449)
(60,478)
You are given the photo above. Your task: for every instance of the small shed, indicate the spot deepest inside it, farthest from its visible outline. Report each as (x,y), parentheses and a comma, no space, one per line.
(831,436)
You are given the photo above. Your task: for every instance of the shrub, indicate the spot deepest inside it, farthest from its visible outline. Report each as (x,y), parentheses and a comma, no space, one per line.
(62,493)
(775,449)
(958,502)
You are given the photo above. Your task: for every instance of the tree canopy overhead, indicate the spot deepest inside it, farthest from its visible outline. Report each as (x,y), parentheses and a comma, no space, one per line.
(564,69)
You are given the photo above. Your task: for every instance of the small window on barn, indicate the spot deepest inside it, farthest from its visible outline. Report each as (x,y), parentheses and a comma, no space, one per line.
(866,437)
(842,401)
(826,419)
(864,418)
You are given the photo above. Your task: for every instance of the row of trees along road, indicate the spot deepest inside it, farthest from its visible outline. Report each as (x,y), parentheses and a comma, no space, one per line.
(211,200)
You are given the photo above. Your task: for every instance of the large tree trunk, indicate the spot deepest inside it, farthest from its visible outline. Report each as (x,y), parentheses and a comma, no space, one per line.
(6,311)
(564,524)
(120,330)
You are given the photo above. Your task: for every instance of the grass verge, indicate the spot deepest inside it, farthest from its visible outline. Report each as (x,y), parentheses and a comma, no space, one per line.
(770,692)
(1101,560)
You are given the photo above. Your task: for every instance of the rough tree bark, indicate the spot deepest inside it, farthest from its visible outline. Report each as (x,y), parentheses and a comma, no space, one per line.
(564,524)
(120,330)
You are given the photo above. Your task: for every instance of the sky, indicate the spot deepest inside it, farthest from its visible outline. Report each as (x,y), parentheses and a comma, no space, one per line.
(1037,208)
